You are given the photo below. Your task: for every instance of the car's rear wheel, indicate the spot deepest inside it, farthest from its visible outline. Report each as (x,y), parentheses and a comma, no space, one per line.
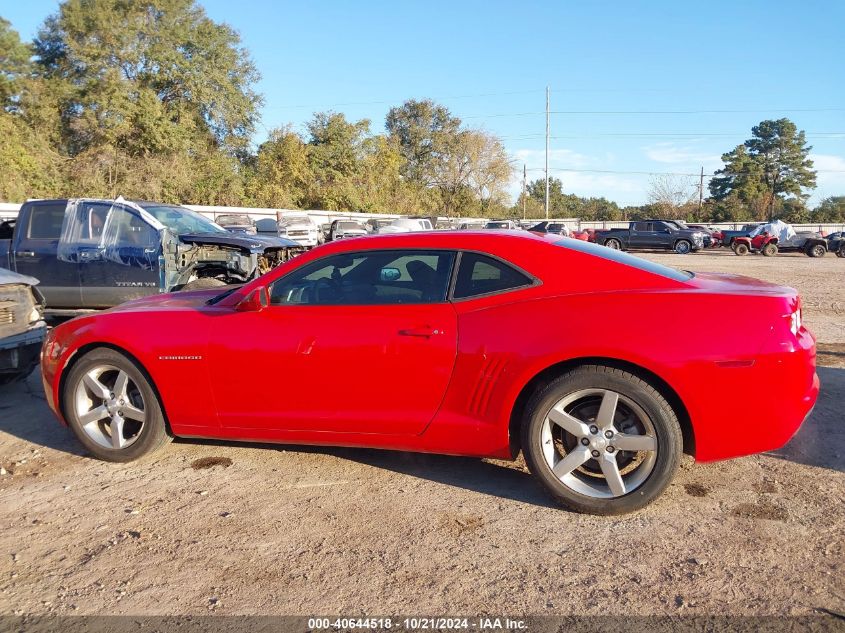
(614,244)
(740,249)
(841,252)
(770,250)
(682,247)
(817,250)
(601,440)
(112,408)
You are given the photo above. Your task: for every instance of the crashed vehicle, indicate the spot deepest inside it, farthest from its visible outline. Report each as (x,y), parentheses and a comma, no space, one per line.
(236,223)
(779,236)
(302,229)
(92,254)
(22,327)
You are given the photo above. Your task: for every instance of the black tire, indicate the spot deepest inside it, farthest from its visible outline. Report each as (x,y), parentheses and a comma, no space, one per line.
(662,417)
(203,283)
(770,250)
(683,247)
(614,244)
(816,250)
(152,435)
(740,249)
(841,252)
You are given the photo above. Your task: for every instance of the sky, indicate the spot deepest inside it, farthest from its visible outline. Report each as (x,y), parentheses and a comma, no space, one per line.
(637,88)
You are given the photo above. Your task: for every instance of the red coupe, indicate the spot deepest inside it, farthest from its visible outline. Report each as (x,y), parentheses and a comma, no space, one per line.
(465,343)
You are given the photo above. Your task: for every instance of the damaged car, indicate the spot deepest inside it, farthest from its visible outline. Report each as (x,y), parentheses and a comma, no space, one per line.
(93,254)
(22,327)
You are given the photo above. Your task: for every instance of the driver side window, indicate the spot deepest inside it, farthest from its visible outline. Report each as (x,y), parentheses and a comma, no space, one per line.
(368,278)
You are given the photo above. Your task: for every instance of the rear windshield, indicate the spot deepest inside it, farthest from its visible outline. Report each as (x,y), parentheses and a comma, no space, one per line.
(621,257)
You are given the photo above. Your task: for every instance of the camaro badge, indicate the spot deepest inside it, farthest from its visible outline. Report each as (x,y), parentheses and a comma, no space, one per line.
(180,357)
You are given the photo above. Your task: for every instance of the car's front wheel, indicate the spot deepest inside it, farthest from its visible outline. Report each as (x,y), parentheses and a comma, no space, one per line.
(601,440)
(682,247)
(112,408)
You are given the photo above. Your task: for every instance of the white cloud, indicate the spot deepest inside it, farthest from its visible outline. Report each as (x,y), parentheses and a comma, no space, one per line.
(673,154)
(557,158)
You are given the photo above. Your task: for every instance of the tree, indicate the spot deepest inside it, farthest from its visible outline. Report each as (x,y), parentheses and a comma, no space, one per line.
(336,148)
(831,209)
(279,174)
(160,65)
(772,165)
(426,134)
(672,196)
(14,64)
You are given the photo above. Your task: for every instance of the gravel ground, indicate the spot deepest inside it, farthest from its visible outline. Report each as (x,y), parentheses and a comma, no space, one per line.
(206,527)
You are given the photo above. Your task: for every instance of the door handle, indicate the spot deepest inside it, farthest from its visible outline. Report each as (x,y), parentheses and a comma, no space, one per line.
(425,332)
(25,254)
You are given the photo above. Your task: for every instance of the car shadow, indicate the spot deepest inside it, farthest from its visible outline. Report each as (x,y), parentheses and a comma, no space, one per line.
(469,473)
(24,414)
(821,439)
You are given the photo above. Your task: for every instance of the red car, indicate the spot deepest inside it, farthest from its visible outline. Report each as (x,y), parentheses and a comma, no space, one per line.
(465,343)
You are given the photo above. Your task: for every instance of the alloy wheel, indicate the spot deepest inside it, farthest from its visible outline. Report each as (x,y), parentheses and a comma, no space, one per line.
(599,443)
(110,407)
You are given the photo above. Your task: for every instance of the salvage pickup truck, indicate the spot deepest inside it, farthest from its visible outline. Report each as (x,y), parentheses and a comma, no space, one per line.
(93,254)
(654,234)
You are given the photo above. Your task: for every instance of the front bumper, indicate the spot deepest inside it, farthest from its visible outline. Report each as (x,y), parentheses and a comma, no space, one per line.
(19,353)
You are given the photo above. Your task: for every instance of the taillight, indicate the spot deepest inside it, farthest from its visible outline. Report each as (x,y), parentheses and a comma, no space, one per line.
(795,322)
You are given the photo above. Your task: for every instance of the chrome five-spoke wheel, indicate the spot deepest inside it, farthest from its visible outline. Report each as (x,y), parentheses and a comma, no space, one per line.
(599,443)
(110,407)
(601,439)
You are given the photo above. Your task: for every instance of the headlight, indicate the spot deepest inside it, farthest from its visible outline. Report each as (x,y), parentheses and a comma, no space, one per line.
(35,315)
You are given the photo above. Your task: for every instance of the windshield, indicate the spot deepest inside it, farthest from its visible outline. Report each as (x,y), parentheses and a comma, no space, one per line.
(233,219)
(620,257)
(183,221)
(349,225)
(497,225)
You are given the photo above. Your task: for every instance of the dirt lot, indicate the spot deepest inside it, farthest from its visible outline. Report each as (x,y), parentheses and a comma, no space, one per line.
(207,527)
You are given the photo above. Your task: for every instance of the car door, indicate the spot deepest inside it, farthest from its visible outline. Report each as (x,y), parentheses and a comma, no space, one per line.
(640,235)
(118,254)
(36,253)
(355,343)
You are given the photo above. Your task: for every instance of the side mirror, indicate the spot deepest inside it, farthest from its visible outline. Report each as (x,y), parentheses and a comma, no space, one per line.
(255,301)
(389,274)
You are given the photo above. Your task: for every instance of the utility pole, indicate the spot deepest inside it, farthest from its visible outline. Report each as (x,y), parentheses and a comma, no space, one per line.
(701,192)
(524,176)
(547,152)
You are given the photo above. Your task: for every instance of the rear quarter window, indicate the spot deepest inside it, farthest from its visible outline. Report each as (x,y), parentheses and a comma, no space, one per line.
(480,274)
(45,221)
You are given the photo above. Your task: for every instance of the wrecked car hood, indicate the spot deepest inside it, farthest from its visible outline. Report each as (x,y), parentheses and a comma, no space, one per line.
(10,277)
(251,243)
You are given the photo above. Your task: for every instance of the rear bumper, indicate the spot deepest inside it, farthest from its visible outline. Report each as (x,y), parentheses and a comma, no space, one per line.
(765,404)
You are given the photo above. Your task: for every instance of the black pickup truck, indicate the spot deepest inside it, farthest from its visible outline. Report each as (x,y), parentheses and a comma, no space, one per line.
(654,234)
(92,254)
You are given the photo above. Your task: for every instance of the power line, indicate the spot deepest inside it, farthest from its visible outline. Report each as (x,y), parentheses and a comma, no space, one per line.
(661,173)
(617,112)
(667,135)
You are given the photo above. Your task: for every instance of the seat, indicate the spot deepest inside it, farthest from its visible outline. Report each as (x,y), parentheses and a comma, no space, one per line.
(424,278)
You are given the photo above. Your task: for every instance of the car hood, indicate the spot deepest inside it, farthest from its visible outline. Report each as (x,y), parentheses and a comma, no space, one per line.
(183,300)
(251,243)
(10,277)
